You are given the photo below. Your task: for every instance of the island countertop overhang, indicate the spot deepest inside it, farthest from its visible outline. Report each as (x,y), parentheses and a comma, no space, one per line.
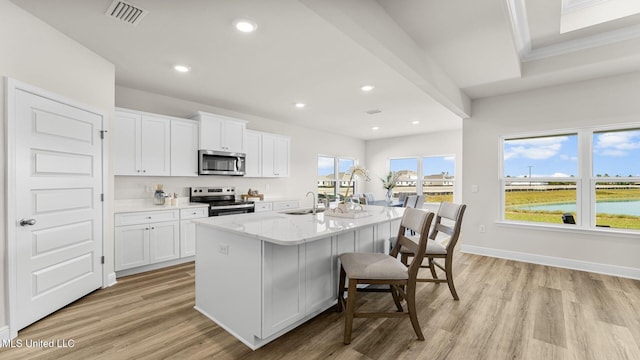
(285,229)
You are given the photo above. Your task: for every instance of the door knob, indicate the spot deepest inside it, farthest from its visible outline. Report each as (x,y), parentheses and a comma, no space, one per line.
(25,222)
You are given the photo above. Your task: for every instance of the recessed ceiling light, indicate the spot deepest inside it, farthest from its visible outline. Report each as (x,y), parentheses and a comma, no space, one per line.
(182,68)
(300,105)
(245,26)
(375,128)
(367,87)
(415,122)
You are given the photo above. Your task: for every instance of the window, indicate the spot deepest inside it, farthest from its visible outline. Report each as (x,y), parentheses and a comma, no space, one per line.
(437,181)
(438,178)
(540,178)
(544,178)
(408,175)
(616,173)
(333,180)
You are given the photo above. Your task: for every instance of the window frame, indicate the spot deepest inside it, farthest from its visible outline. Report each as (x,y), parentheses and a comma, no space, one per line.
(336,171)
(585,179)
(420,168)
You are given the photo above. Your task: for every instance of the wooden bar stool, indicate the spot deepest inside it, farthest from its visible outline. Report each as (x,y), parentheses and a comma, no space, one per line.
(382,269)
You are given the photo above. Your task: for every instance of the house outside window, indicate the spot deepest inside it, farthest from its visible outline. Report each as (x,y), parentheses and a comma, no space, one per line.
(333,180)
(436,182)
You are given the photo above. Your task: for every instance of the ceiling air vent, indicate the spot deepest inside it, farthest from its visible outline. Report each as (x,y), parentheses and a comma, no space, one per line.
(373,111)
(126,12)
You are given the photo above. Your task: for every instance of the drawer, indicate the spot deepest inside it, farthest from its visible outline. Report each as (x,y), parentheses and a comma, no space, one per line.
(260,207)
(284,205)
(194,213)
(146,217)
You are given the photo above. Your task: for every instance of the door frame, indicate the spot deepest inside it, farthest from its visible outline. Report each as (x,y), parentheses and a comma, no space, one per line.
(11,87)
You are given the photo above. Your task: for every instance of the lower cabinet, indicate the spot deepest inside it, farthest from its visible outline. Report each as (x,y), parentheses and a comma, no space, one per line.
(152,237)
(188,230)
(144,244)
(297,281)
(272,288)
(285,205)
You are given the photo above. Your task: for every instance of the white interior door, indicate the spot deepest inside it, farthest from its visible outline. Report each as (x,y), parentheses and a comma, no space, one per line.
(58,185)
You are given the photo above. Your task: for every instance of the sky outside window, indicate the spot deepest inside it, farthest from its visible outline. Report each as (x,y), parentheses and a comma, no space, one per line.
(433,165)
(550,156)
(616,153)
(404,164)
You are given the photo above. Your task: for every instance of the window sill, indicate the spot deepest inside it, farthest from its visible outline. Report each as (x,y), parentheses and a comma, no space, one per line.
(574,229)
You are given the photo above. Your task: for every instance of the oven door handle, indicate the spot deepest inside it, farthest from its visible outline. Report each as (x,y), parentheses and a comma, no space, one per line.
(225,207)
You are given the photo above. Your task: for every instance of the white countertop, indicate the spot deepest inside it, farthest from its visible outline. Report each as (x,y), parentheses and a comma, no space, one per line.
(134,205)
(285,229)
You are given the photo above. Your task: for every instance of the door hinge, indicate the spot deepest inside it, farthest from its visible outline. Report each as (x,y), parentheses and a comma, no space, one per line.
(101,197)
(102,259)
(102,132)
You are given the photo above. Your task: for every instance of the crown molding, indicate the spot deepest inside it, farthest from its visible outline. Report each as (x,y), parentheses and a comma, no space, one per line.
(522,37)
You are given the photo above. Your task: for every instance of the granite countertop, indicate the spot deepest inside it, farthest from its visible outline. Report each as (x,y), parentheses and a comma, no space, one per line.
(134,205)
(285,229)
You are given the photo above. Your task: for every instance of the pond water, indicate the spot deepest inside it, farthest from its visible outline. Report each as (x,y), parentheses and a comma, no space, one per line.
(602,207)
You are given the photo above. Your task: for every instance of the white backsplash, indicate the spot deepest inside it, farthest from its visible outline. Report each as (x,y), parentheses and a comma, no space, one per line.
(135,187)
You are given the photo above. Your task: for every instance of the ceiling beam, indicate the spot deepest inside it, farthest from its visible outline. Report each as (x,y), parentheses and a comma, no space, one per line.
(366,23)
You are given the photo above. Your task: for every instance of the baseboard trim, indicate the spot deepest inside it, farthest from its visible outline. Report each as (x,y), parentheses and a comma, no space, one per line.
(156,266)
(621,271)
(111,279)
(5,334)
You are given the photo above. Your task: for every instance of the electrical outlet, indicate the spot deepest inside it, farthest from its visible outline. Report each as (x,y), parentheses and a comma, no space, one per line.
(148,188)
(266,187)
(474,188)
(224,249)
(482,228)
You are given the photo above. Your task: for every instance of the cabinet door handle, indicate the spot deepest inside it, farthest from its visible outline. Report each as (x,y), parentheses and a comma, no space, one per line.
(144,171)
(146,228)
(152,228)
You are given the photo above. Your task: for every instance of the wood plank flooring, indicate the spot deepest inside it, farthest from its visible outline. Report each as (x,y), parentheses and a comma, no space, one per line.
(507,310)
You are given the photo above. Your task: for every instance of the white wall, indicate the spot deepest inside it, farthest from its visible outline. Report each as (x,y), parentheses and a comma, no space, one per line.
(431,144)
(612,100)
(306,144)
(35,53)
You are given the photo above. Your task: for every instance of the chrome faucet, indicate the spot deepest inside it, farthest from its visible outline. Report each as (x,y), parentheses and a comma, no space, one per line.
(315,204)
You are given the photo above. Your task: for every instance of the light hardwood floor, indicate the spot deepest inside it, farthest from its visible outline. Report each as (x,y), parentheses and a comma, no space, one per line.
(507,310)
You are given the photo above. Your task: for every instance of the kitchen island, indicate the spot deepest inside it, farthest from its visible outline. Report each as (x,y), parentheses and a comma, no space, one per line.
(260,275)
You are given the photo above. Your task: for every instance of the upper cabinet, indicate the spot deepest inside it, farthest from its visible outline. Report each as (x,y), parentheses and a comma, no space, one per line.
(220,133)
(142,144)
(267,154)
(184,148)
(253,149)
(275,155)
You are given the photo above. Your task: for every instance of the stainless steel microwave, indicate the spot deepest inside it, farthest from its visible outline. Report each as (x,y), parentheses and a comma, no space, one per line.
(212,162)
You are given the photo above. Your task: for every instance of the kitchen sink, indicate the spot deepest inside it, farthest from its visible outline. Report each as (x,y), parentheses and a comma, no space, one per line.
(301,211)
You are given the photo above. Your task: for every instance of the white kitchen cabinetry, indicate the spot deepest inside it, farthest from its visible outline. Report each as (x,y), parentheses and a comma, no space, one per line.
(284,287)
(286,205)
(253,151)
(142,144)
(188,230)
(263,206)
(220,133)
(275,155)
(143,238)
(184,147)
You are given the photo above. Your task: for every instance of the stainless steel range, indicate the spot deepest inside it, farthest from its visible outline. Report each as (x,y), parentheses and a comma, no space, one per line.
(221,200)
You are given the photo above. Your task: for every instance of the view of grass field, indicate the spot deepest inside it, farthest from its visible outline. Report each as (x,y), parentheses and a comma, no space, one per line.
(514,199)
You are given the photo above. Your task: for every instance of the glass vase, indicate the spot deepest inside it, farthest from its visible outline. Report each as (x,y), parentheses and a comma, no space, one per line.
(389,196)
